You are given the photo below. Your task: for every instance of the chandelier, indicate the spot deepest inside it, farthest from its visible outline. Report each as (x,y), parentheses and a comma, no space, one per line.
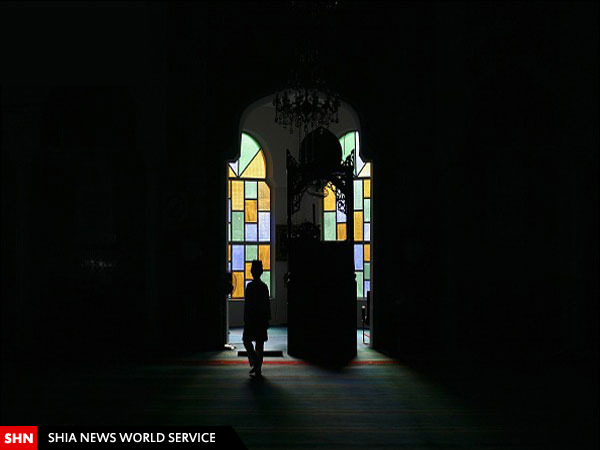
(307,103)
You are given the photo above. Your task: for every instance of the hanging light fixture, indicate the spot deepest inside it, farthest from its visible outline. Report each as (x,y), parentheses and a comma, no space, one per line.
(307,103)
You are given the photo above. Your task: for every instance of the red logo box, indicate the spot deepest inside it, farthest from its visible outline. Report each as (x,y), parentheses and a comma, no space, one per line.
(16,438)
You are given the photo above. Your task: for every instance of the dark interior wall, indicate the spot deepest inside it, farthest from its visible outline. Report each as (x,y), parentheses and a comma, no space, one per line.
(500,186)
(481,121)
(75,217)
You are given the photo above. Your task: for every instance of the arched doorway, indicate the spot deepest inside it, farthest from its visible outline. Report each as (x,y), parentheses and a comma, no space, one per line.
(257,122)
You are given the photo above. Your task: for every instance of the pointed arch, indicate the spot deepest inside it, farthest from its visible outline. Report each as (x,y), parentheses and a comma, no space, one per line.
(249,216)
(334,220)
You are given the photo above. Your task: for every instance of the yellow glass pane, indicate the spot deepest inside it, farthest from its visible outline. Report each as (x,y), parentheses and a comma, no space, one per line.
(367,189)
(264,254)
(367,252)
(329,200)
(238,285)
(358,225)
(248,273)
(251,213)
(257,168)
(231,172)
(229,253)
(237,195)
(264,196)
(366,171)
(341,231)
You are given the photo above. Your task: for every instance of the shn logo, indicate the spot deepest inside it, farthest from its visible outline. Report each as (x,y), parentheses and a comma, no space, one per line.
(18,437)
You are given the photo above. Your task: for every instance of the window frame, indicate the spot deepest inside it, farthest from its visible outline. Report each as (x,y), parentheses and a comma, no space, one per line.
(229,222)
(361,242)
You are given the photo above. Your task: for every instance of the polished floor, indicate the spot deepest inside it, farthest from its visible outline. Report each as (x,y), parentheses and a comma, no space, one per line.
(278,341)
(375,402)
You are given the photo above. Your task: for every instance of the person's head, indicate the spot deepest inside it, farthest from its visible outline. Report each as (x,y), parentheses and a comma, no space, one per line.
(257,269)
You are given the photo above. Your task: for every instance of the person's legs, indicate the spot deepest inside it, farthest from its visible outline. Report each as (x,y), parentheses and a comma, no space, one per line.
(260,345)
(251,353)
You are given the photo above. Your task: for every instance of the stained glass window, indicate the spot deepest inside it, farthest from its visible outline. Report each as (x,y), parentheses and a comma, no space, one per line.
(248,216)
(334,220)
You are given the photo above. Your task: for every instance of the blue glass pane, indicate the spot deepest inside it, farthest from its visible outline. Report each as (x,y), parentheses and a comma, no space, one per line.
(229,210)
(367,287)
(229,231)
(359,285)
(251,232)
(341,217)
(264,226)
(228,267)
(367,233)
(367,271)
(237,257)
(358,257)
(234,166)
(237,225)
(251,189)
(266,278)
(359,163)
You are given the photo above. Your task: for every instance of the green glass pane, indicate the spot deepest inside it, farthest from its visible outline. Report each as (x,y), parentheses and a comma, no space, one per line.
(349,144)
(346,149)
(266,278)
(367,209)
(367,271)
(359,285)
(237,229)
(229,232)
(329,226)
(358,195)
(251,189)
(249,148)
(251,252)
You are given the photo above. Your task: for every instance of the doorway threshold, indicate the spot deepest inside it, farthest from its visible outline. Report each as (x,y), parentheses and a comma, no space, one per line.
(275,353)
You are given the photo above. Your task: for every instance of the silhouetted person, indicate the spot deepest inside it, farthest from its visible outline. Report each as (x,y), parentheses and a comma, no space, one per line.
(228,283)
(257,313)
